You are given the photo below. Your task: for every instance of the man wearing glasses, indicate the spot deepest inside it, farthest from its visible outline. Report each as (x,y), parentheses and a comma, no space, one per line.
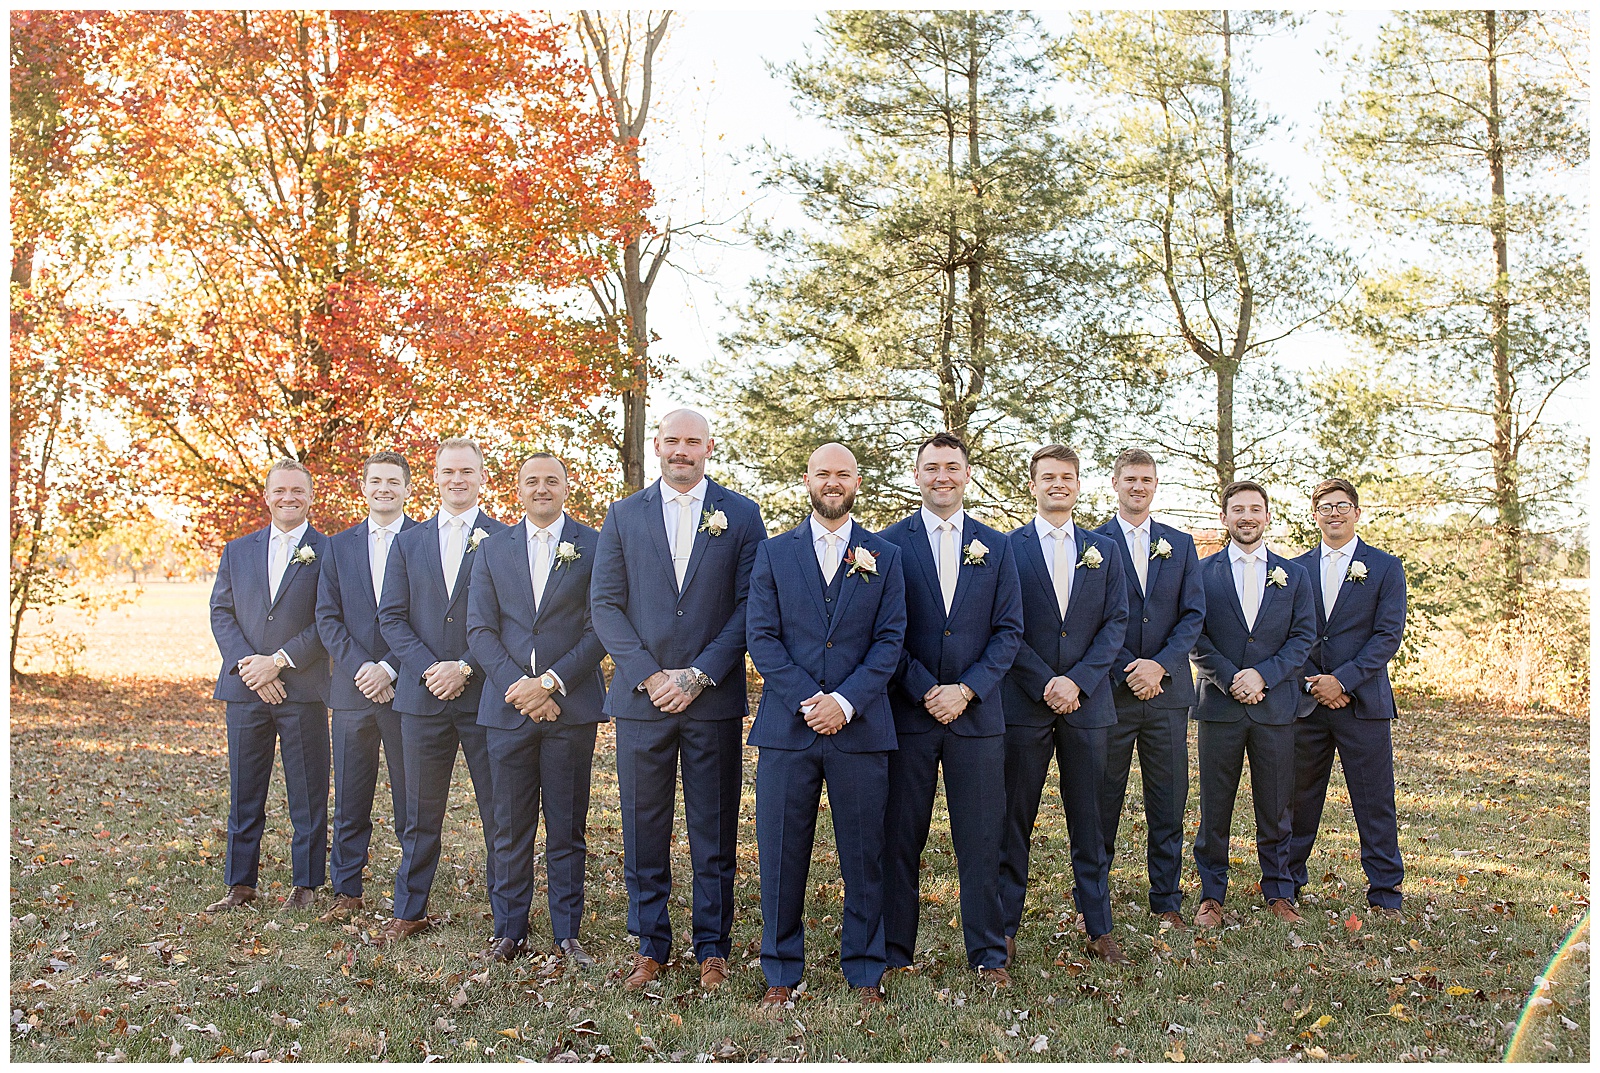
(1346,702)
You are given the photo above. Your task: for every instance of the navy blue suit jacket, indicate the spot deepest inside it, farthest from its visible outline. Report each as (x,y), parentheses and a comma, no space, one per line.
(1163,621)
(1369,618)
(422,622)
(648,625)
(800,652)
(503,627)
(347,614)
(246,620)
(1277,646)
(974,644)
(1082,647)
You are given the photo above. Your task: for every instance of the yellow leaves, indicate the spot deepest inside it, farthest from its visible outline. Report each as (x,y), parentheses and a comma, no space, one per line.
(1322,1022)
(1176,1054)
(1316,1052)
(1300,1013)
(1456,991)
(511,1033)
(1398,1012)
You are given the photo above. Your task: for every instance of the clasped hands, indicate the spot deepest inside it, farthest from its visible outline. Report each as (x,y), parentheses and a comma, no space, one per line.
(1063,695)
(673,690)
(260,673)
(1144,678)
(533,700)
(445,680)
(374,684)
(945,703)
(1328,691)
(1248,686)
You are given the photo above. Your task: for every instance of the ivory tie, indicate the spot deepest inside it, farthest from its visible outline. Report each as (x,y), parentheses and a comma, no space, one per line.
(1061,572)
(949,563)
(683,545)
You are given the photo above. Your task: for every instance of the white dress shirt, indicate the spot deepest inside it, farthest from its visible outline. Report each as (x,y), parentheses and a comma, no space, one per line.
(1137,537)
(841,544)
(1249,579)
(451,555)
(540,562)
(280,547)
(946,550)
(682,521)
(380,538)
(1335,568)
(1066,553)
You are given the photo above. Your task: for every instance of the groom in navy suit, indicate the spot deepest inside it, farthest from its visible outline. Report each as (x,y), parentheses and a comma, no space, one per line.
(274,679)
(826,621)
(963,626)
(1347,703)
(668,600)
(529,629)
(422,615)
(364,674)
(1151,681)
(1058,695)
(1259,627)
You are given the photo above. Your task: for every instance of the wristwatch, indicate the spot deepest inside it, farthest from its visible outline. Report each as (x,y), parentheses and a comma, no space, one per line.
(966,691)
(701,678)
(279,660)
(466,668)
(547,682)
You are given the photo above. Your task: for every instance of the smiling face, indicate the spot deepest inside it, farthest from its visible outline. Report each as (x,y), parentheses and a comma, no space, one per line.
(683,443)
(1136,490)
(942,474)
(832,481)
(542,487)
(1247,518)
(288,498)
(459,474)
(1054,485)
(1337,528)
(385,488)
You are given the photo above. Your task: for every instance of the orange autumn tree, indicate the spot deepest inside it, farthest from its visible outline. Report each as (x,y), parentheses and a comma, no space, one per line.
(361,229)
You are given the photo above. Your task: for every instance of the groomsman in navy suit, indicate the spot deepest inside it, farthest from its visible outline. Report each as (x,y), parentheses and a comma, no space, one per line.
(274,679)
(422,615)
(1058,694)
(826,621)
(963,627)
(529,629)
(1348,703)
(1151,680)
(1260,623)
(668,600)
(364,674)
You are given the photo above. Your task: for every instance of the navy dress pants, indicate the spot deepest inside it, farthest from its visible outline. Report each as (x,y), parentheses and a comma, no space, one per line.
(1161,736)
(1222,748)
(254,729)
(431,742)
(1366,753)
(356,740)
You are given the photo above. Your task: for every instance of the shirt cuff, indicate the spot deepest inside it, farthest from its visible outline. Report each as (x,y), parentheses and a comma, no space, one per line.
(394,675)
(289,660)
(561,687)
(698,671)
(844,703)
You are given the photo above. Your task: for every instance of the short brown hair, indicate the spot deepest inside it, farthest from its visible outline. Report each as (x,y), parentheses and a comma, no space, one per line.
(471,445)
(293,464)
(1133,456)
(525,459)
(387,458)
(944,439)
(1335,484)
(1235,487)
(1058,451)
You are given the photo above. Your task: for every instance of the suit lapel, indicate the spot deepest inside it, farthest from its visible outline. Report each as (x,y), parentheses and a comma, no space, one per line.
(434,557)
(1267,587)
(1344,583)
(554,579)
(806,560)
(923,554)
(362,535)
(702,537)
(964,570)
(1033,554)
(1224,568)
(1311,561)
(522,571)
(848,585)
(656,526)
(291,569)
(1080,571)
(1152,562)
(1113,532)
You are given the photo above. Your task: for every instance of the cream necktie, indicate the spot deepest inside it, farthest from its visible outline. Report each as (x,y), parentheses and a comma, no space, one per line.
(949,563)
(683,545)
(1141,556)
(1332,580)
(1061,572)
(280,560)
(830,557)
(541,566)
(453,553)
(1249,592)
(380,560)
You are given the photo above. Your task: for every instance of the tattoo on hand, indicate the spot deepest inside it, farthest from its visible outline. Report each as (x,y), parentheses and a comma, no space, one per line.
(688,682)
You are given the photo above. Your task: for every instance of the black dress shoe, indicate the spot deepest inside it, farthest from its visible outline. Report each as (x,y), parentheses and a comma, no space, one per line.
(572,949)
(504,950)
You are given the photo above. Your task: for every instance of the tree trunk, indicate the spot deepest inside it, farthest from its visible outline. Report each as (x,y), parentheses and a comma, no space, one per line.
(1227,367)
(636,296)
(24,594)
(1507,502)
(978,311)
(1224,467)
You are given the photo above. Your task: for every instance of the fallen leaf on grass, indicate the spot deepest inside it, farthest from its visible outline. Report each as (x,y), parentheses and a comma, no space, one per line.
(1176,1054)
(513,1033)
(1040,1044)
(1353,925)
(1316,1052)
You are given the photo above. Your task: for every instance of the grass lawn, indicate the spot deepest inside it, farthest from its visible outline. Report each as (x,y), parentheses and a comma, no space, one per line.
(119,800)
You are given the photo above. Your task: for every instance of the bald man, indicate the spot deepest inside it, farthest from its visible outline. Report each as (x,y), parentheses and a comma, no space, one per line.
(826,625)
(668,603)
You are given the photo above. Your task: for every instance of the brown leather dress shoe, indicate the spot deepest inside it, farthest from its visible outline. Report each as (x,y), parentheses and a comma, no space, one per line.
(869,996)
(994,977)
(1387,913)
(300,898)
(503,950)
(238,895)
(777,997)
(1011,950)
(644,970)
(345,906)
(1210,914)
(1173,917)
(398,929)
(713,971)
(1284,910)
(573,951)
(1106,949)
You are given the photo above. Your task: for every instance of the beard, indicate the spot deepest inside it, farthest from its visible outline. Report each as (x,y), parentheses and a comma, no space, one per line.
(832,513)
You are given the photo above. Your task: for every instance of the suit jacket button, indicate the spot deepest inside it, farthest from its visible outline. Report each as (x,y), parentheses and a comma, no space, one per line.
(1147,619)
(830,644)
(680,614)
(448,618)
(1249,638)
(269,618)
(947,633)
(1063,633)
(536,633)
(827,599)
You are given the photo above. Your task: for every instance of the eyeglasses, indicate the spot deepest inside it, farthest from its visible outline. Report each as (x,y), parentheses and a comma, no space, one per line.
(1328,510)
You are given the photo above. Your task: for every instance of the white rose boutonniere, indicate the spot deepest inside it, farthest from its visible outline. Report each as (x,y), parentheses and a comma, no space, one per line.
(1277,576)
(566,552)
(714,522)
(861,562)
(1161,550)
(973,554)
(478,536)
(1091,558)
(303,555)
(1357,572)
